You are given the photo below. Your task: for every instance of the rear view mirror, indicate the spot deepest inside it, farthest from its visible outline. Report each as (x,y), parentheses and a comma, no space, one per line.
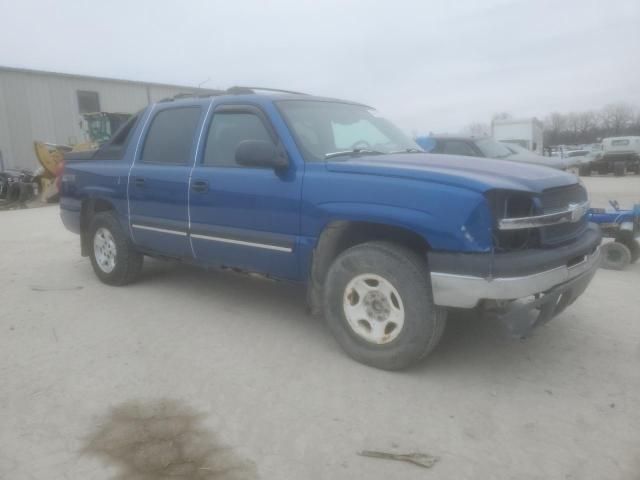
(258,153)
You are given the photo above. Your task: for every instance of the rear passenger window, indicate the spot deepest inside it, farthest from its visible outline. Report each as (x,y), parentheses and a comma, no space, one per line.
(170,137)
(227,130)
(456,147)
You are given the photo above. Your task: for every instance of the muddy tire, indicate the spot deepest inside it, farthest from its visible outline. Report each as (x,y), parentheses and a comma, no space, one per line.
(378,304)
(615,256)
(114,259)
(619,169)
(633,246)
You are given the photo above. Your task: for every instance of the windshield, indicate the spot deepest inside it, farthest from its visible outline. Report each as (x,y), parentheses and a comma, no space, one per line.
(515,148)
(577,153)
(492,149)
(325,128)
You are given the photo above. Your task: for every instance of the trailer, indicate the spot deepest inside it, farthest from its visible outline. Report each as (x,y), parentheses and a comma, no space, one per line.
(624,227)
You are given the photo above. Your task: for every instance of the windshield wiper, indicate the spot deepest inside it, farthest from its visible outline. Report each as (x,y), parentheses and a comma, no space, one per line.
(409,150)
(355,151)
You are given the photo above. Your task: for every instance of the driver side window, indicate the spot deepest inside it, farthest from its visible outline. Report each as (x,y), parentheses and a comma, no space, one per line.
(361,134)
(226,132)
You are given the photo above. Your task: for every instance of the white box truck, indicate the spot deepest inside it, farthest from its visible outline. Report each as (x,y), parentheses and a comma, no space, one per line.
(526,132)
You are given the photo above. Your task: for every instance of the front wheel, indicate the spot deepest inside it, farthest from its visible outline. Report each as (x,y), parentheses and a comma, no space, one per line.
(379,305)
(113,257)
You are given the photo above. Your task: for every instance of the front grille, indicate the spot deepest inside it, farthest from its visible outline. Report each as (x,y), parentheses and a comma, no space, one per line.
(557,199)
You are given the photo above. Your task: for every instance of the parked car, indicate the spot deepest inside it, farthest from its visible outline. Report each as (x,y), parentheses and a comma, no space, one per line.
(329,194)
(585,162)
(618,155)
(527,156)
(576,153)
(486,147)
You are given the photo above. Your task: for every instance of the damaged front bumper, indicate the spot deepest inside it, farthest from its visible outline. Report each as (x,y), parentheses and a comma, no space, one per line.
(522,301)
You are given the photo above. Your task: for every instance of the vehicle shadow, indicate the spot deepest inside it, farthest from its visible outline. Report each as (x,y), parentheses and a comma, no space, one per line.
(469,339)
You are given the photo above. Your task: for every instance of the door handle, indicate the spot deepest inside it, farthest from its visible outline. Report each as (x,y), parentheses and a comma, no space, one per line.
(199,186)
(139,182)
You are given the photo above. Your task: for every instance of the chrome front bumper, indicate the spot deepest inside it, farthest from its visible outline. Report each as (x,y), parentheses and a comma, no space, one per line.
(451,290)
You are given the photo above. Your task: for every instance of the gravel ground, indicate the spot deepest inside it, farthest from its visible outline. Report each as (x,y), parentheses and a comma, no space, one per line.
(233,368)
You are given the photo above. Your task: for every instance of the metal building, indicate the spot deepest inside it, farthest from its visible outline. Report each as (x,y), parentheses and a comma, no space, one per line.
(48,106)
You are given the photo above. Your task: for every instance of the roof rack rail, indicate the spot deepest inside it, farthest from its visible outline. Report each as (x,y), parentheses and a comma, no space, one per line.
(205,94)
(241,90)
(237,90)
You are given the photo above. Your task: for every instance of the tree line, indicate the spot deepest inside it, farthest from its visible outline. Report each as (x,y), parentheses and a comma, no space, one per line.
(574,128)
(591,126)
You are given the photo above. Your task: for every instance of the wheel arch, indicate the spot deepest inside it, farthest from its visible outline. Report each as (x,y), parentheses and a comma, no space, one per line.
(89,207)
(339,235)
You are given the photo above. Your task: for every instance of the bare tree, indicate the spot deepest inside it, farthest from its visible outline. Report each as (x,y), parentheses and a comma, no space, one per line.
(617,117)
(501,116)
(477,129)
(556,122)
(587,121)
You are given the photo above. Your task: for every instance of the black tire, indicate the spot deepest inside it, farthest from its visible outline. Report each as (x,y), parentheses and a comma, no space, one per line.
(128,261)
(619,169)
(615,256)
(633,246)
(408,273)
(584,170)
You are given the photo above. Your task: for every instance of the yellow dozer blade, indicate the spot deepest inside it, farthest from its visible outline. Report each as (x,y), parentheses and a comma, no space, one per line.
(50,157)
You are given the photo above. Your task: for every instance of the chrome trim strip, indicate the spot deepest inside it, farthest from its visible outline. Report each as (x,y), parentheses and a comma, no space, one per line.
(242,242)
(573,213)
(161,230)
(463,291)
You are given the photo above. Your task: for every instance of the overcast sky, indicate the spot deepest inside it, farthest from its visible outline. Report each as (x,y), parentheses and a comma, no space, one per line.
(427,65)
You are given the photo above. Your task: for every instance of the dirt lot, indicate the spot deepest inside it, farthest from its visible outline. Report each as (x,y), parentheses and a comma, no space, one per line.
(274,388)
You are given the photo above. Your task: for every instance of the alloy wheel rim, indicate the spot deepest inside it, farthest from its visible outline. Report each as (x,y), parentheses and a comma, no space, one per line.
(104,249)
(373,308)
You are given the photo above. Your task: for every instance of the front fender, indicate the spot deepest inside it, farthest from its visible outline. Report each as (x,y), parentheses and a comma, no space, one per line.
(463,228)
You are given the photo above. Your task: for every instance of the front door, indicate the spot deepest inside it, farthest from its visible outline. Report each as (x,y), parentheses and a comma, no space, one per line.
(244,217)
(159,178)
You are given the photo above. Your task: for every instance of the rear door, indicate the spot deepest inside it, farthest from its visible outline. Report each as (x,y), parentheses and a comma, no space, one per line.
(245,217)
(159,178)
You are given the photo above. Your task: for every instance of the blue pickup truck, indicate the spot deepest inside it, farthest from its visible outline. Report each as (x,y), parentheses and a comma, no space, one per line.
(328,193)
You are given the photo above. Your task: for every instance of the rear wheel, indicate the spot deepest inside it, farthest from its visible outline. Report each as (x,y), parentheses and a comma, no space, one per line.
(379,305)
(619,169)
(615,256)
(114,259)
(632,244)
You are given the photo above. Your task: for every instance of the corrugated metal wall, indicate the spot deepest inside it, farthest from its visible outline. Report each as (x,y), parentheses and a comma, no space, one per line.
(44,106)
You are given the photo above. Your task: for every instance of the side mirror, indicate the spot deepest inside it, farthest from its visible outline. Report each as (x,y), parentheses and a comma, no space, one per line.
(258,153)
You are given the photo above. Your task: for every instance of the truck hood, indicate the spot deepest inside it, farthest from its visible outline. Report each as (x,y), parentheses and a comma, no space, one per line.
(532,158)
(479,174)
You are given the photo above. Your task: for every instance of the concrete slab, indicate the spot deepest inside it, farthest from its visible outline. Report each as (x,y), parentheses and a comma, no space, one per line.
(273,385)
